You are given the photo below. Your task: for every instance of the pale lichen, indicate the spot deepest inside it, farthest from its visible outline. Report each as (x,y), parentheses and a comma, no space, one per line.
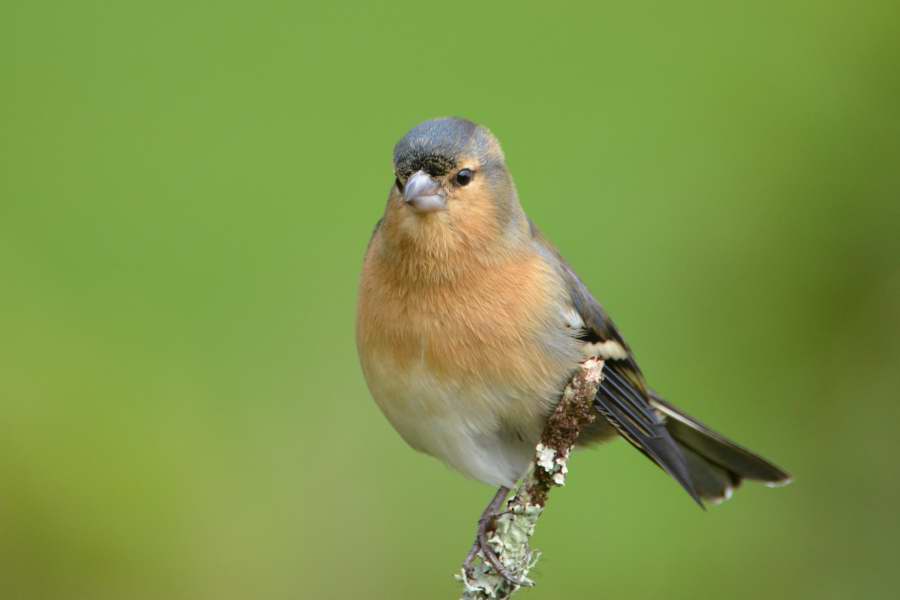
(545,457)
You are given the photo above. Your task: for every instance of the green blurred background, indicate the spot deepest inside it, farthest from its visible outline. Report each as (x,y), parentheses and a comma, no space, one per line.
(186,192)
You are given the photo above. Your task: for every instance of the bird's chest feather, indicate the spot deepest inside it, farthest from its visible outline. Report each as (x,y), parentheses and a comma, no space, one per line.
(471,365)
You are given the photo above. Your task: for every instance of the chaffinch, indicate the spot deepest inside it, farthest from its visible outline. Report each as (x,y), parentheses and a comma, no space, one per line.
(470,324)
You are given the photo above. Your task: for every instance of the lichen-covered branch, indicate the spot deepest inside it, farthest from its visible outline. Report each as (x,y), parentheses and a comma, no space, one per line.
(515,526)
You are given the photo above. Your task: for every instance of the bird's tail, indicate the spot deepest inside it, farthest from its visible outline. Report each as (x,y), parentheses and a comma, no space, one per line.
(716,465)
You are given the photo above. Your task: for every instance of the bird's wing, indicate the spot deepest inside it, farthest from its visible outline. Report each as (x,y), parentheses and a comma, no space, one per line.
(374,233)
(623,399)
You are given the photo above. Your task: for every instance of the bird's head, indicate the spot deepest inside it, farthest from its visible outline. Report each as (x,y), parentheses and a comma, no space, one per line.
(451,181)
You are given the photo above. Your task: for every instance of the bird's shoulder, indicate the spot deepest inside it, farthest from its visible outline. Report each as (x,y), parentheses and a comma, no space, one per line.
(375,231)
(597,326)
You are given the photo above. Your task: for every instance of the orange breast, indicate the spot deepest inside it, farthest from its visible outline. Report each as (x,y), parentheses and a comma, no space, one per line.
(495,336)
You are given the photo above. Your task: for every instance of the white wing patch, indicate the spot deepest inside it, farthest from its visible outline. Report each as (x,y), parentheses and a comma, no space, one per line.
(608,350)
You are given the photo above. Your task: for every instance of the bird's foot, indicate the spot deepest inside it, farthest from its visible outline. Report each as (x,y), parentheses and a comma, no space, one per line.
(482,546)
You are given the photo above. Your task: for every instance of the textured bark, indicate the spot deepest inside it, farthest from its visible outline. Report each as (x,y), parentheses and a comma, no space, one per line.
(514,527)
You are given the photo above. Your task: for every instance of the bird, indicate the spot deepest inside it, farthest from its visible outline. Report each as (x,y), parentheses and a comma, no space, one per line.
(470,324)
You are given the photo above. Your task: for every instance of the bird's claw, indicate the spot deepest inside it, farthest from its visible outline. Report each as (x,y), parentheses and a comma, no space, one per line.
(482,547)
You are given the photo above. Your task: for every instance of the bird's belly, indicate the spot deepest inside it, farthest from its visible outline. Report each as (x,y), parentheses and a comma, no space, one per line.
(481,416)
(464,427)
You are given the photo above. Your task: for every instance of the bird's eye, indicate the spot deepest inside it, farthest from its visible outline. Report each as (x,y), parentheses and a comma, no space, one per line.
(464,177)
(398,184)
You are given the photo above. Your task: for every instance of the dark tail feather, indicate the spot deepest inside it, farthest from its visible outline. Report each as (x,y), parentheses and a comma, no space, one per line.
(716,464)
(629,411)
(712,482)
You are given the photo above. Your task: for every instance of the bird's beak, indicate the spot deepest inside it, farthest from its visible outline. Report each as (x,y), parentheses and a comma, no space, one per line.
(423,193)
